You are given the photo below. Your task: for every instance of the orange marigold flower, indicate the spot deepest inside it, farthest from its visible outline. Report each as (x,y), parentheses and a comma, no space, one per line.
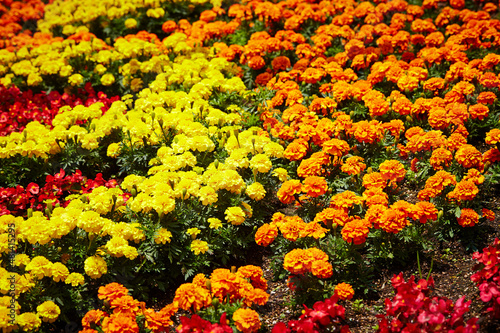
(488,214)
(322,269)
(288,190)
(93,317)
(353,165)
(118,323)
(468,218)
(475,176)
(255,274)
(169,26)
(314,230)
(486,97)
(344,291)
(469,157)
(296,150)
(479,111)
(292,228)
(393,220)
(374,179)
(424,211)
(126,305)
(434,84)
(493,136)
(314,186)
(345,200)
(256,62)
(246,320)
(298,261)
(266,234)
(465,190)
(191,297)
(311,166)
(281,63)
(367,132)
(355,231)
(224,283)
(438,118)
(332,217)
(374,213)
(392,170)
(112,291)
(336,147)
(157,321)
(440,158)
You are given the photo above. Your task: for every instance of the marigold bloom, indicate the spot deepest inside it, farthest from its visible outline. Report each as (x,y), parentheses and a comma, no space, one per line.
(246,320)
(29,322)
(93,317)
(488,214)
(111,291)
(440,158)
(469,157)
(256,62)
(199,246)
(464,190)
(424,211)
(393,220)
(332,217)
(292,228)
(49,311)
(392,170)
(345,200)
(235,215)
(296,150)
(288,190)
(468,217)
(336,147)
(344,291)
(192,297)
(298,261)
(266,234)
(353,165)
(255,274)
(322,269)
(355,231)
(314,186)
(493,136)
(374,180)
(95,267)
(118,323)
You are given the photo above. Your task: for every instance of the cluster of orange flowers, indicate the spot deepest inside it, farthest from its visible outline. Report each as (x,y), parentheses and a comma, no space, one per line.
(121,312)
(14,15)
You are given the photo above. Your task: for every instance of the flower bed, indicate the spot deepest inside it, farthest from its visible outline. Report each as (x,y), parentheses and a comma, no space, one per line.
(148,146)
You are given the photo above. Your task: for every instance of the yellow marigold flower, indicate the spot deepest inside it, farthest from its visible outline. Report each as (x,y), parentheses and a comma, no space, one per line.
(75,79)
(344,291)
(75,279)
(256,191)
(59,272)
(28,321)
(130,23)
(95,267)
(163,236)
(199,246)
(34,79)
(281,173)
(21,259)
(235,215)
(261,163)
(114,150)
(207,195)
(108,79)
(215,223)
(246,320)
(193,232)
(40,267)
(49,311)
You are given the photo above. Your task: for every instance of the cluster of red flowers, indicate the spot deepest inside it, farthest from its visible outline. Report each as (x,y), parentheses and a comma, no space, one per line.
(487,277)
(18,108)
(16,200)
(322,316)
(413,309)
